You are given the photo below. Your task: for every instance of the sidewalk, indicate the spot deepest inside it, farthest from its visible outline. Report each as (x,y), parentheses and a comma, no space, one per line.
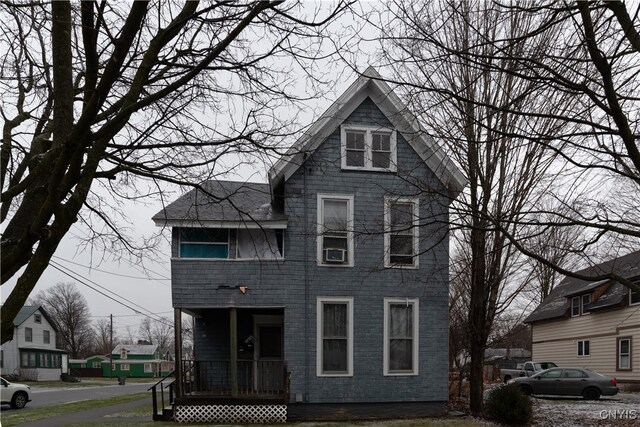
(95,415)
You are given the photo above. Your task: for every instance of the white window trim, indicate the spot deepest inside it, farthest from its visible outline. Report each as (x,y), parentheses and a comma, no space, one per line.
(581,311)
(620,354)
(416,329)
(148,368)
(368,145)
(334,300)
(387,231)
(125,367)
(578,348)
(632,303)
(319,234)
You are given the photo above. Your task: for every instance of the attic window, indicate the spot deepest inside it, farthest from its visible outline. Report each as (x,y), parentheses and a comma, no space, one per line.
(38,318)
(579,305)
(368,148)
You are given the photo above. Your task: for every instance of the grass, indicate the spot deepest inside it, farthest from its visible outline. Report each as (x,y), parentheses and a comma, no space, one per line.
(145,411)
(423,422)
(33,414)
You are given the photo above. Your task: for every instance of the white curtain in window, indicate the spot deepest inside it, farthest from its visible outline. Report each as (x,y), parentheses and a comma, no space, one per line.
(258,243)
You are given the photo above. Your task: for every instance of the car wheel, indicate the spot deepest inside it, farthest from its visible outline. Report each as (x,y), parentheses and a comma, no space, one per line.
(591,393)
(507,378)
(19,400)
(527,390)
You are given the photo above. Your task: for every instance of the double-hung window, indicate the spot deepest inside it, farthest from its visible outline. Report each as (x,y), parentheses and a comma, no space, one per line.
(46,337)
(401,336)
(368,148)
(28,334)
(583,348)
(401,223)
(335,336)
(579,305)
(634,297)
(335,230)
(204,243)
(624,354)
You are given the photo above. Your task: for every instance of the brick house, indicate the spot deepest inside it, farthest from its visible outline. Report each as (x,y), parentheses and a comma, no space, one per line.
(323,292)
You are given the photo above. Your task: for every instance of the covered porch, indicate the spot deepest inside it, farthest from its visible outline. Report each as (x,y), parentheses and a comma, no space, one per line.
(236,372)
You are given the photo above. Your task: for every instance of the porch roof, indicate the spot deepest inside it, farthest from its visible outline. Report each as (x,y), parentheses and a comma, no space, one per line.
(220,203)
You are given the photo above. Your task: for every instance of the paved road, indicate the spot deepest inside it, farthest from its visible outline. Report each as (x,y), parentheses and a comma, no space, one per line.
(51,396)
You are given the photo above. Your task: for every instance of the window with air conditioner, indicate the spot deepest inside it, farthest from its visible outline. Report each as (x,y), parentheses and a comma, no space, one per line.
(335,230)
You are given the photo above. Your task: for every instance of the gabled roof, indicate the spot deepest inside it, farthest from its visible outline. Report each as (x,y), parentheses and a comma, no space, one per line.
(223,203)
(143,349)
(27,311)
(371,85)
(556,304)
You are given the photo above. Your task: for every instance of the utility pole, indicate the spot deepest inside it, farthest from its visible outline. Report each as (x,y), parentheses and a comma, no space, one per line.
(111,347)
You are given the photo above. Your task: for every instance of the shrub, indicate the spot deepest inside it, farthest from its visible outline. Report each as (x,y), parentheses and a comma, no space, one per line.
(507,404)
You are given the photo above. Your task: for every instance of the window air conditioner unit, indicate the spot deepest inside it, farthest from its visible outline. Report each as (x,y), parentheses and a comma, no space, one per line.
(335,255)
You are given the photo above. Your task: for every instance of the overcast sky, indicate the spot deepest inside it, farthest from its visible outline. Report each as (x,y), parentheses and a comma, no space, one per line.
(127,291)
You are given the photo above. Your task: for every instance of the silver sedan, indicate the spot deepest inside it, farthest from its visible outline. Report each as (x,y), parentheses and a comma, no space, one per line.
(568,382)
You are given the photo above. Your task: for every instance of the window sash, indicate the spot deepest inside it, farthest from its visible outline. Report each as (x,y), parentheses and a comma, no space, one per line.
(401,336)
(46,337)
(585,300)
(401,232)
(335,224)
(335,337)
(28,334)
(368,148)
(204,243)
(583,348)
(624,353)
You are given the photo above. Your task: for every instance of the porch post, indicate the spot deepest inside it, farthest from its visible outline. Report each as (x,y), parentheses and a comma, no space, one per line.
(233,346)
(177,332)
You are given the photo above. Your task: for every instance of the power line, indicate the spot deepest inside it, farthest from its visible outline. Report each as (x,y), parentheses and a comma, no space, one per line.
(60,269)
(117,274)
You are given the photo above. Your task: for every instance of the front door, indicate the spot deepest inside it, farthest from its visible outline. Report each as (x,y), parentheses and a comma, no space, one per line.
(269,353)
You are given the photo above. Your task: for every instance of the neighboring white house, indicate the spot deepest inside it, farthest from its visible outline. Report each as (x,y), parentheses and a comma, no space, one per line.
(595,325)
(32,354)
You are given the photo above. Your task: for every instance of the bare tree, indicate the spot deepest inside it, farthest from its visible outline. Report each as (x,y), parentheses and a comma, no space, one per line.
(69,310)
(104,101)
(157,331)
(104,342)
(468,106)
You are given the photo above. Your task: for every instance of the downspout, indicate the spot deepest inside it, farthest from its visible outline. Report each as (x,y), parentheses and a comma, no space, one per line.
(306,277)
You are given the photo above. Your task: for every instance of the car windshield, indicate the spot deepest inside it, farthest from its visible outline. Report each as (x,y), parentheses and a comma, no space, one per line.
(544,365)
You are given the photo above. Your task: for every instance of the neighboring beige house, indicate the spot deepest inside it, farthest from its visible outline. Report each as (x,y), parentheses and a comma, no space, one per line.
(595,325)
(32,353)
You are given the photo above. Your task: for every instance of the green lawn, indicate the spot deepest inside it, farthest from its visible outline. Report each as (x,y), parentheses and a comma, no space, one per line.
(424,422)
(32,414)
(141,416)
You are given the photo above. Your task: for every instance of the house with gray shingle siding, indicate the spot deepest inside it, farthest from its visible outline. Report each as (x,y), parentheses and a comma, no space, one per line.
(593,324)
(326,289)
